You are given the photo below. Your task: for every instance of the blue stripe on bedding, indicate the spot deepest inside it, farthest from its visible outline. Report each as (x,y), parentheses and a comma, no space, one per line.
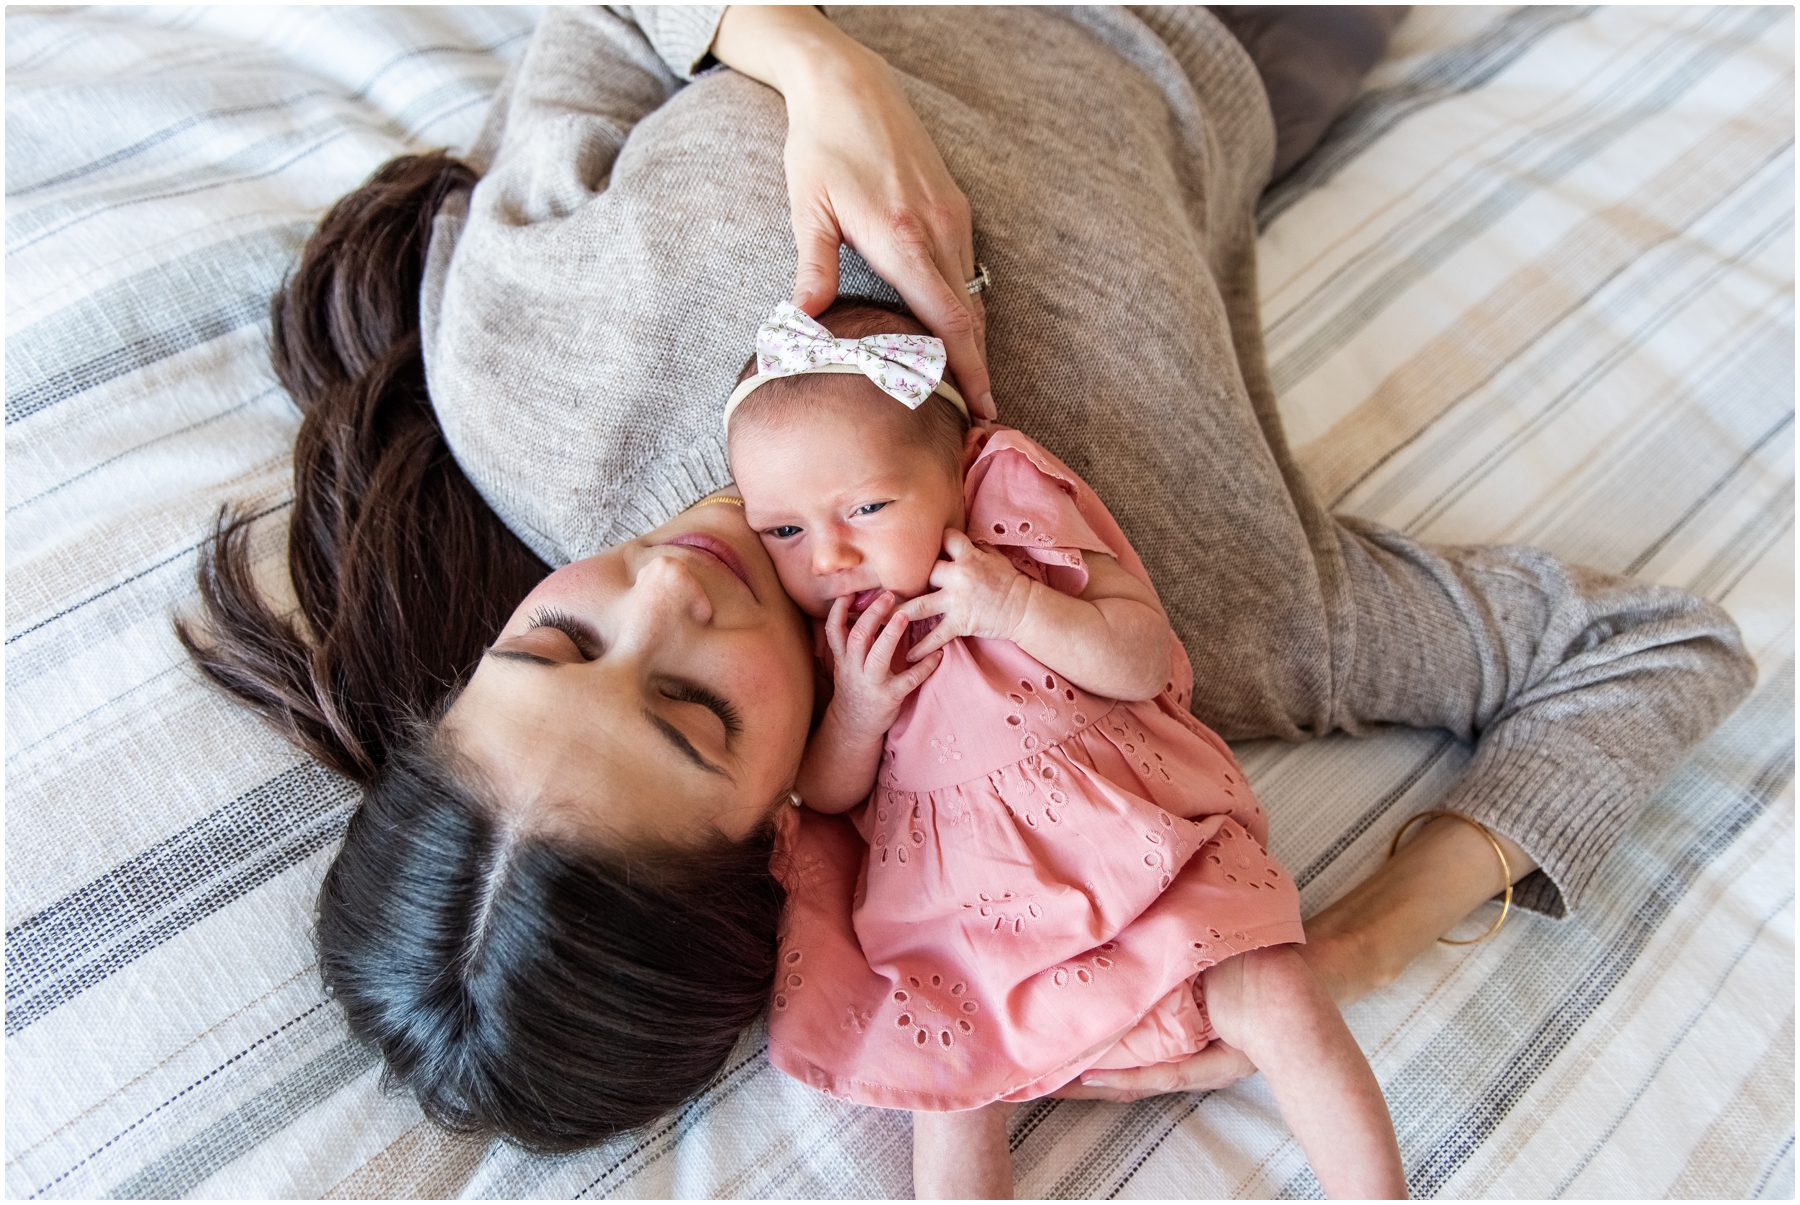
(81,939)
(113,331)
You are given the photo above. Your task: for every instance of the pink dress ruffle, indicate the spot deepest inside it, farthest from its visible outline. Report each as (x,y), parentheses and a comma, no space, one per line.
(1039,874)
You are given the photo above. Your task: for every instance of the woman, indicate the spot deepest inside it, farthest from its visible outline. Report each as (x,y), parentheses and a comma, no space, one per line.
(620,747)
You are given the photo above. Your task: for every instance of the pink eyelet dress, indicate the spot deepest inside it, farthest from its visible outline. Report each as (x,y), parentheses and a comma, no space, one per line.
(1039,874)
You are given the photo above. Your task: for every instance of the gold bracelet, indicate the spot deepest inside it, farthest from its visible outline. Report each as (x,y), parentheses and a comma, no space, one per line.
(721,500)
(1505,866)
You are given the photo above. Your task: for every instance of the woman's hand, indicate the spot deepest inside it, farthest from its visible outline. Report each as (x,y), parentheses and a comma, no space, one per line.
(862,170)
(1217,1066)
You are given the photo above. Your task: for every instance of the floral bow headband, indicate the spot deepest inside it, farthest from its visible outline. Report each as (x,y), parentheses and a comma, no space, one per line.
(908,368)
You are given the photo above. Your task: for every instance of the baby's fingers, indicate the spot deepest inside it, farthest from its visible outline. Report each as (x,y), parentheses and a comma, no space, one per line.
(881,654)
(837,627)
(915,676)
(934,640)
(869,625)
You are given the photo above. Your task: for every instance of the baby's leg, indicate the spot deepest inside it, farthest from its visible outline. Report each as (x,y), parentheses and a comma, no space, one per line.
(963,1155)
(1268,1004)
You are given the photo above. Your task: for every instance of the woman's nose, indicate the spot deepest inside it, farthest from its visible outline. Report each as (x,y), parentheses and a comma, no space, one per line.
(666,593)
(834,553)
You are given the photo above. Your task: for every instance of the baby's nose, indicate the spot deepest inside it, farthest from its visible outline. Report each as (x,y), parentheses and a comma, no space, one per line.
(832,553)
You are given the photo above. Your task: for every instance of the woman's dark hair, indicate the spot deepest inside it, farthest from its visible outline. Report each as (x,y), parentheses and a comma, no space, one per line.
(514,984)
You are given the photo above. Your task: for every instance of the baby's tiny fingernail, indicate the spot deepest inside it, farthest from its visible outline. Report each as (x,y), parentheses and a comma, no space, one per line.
(1095,1081)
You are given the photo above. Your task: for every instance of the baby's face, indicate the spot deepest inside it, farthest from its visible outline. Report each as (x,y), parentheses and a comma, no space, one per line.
(843,505)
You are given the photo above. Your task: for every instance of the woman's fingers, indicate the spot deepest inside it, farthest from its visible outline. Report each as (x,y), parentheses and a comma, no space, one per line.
(816,279)
(1214,1067)
(929,281)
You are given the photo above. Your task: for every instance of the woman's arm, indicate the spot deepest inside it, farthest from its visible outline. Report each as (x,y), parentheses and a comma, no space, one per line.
(862,170)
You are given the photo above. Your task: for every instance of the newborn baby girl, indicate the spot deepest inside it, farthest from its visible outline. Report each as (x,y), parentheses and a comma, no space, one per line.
(1059,869)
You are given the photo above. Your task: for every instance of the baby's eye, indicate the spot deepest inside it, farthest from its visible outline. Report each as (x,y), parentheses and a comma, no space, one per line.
(869,508)
(786,531)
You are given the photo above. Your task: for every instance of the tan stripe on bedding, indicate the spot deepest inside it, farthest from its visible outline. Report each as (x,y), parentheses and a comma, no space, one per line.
(1759,1118)
(1468,353)
(424,1163)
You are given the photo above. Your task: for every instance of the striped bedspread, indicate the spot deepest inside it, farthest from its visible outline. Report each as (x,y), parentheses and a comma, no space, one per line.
(1537,286)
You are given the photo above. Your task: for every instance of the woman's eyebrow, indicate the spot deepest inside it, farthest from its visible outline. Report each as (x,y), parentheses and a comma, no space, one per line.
(682,745)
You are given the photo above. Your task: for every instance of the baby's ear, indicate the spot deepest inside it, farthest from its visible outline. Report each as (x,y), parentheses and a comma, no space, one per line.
(973,439)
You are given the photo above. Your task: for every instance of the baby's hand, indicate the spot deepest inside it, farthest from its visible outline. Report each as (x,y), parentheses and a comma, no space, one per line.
(978,593)
(867,693)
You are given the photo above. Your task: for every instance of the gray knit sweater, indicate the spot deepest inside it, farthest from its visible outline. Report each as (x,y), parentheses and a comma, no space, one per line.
(586,310)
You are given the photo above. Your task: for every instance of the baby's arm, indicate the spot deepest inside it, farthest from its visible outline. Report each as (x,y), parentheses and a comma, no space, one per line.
(1112,641)
(844,752)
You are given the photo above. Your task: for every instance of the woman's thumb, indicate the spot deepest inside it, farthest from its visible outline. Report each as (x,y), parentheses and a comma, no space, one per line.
(816,278)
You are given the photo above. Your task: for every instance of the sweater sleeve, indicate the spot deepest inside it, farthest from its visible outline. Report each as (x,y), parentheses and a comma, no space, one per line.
(682,34)
(1583,690)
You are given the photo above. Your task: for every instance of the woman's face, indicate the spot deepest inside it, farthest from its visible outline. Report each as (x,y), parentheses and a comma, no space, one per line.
(661,690)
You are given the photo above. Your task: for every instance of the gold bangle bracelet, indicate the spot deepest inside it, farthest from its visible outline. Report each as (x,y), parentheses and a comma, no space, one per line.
(721,500)
(1505,866)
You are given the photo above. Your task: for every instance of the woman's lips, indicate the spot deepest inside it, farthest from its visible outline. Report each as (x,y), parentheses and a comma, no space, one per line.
(720,551)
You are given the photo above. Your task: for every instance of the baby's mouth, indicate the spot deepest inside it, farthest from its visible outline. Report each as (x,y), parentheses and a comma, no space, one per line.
(864,599)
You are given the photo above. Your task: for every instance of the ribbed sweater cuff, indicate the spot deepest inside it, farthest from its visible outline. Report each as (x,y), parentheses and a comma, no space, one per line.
(1556,794)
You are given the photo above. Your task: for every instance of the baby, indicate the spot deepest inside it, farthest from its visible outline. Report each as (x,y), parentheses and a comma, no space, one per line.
(1059,869)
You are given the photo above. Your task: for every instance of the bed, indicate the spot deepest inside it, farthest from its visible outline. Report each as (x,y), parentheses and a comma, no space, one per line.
(1535,286)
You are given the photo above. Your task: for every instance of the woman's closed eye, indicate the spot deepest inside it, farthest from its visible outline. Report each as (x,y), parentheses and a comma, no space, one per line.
(584,638)
(693,692)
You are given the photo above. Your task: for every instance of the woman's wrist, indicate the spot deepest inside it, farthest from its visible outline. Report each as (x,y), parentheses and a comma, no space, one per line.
(1365,939)
(794,49)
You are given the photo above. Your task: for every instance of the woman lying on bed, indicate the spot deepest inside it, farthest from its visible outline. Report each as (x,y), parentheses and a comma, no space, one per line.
(554,911)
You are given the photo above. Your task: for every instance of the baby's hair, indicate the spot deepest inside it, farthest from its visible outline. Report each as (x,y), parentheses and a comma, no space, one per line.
(937,426)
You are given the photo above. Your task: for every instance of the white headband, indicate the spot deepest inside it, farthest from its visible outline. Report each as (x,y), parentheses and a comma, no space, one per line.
(908,368)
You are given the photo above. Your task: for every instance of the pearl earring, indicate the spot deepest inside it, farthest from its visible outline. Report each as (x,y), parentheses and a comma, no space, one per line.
(794,798)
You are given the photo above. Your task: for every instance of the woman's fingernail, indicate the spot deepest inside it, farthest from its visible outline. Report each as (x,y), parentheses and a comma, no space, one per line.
(987,402)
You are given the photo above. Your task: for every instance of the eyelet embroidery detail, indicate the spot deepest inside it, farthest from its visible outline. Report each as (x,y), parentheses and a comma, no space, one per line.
(936,1024)
(1081,971)
(890,846)
(788,978)
(991,907)
(945,752)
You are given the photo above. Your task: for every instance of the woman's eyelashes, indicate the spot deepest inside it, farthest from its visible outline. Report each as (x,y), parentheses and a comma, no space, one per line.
(585,640)
(693,692)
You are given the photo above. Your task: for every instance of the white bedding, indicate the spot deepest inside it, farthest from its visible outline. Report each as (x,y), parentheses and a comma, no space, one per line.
(1537,286)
